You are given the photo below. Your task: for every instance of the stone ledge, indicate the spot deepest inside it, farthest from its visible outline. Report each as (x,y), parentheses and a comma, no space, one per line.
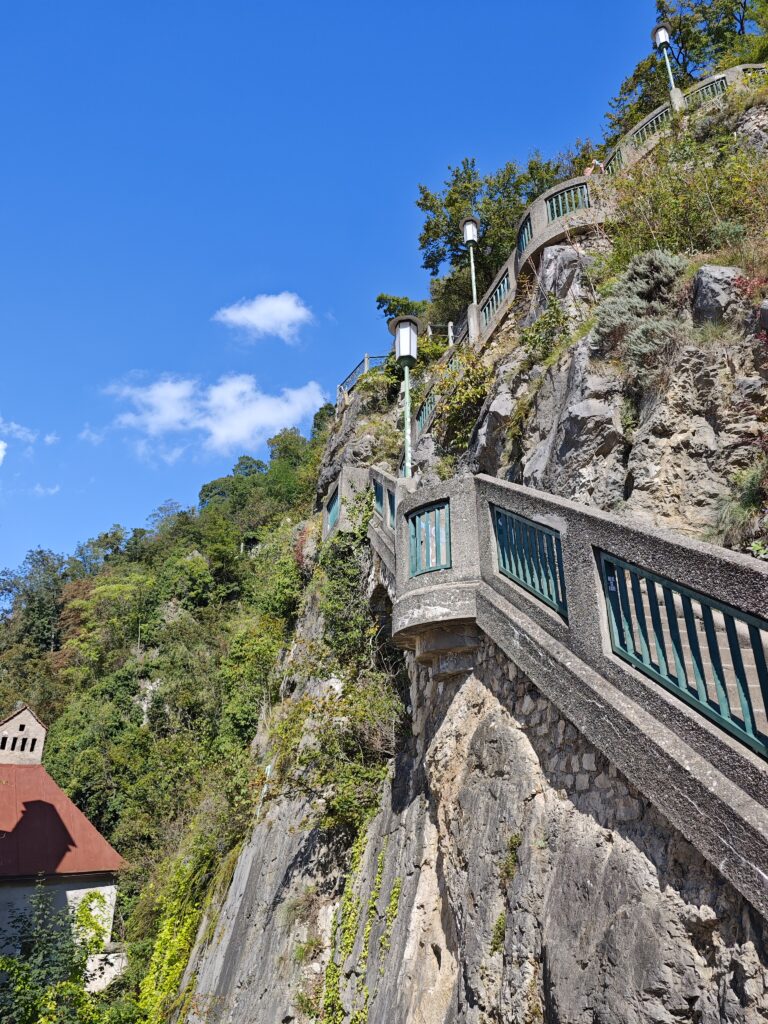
(724,823)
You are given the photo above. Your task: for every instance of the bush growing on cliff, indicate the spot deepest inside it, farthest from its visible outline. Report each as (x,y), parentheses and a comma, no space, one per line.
(692,195)
(461,391)
(636,322)
(547,332)
(743,518)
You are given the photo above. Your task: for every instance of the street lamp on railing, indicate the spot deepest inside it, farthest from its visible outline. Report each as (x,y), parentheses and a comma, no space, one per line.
(406,332)
(661,37)
(469,228)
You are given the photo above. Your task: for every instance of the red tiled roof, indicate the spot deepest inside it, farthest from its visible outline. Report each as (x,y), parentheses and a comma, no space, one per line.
(41,830)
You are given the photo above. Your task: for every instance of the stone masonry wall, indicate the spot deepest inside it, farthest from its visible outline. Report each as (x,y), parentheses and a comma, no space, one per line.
(538,885)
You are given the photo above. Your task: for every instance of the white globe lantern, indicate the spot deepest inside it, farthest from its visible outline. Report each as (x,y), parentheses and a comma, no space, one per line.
(661,35)
(406,332)
(469,228)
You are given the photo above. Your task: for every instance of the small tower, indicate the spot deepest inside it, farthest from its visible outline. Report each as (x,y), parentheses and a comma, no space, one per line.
(22,737)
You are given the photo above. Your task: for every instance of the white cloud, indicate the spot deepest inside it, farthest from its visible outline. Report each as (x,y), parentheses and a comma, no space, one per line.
(3,450)
(228,415)
(166,405)
(281,315)
(45,492)
(89,435)
(15,430)
(51,438)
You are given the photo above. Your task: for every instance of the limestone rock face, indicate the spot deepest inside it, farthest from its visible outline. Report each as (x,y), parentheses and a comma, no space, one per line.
(715,293)
(752,126)
(562,274)
(533,883)
(698,434)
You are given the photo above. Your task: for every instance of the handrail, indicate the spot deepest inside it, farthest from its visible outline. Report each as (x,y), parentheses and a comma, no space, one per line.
(570,207)
(709,651)
(366,363)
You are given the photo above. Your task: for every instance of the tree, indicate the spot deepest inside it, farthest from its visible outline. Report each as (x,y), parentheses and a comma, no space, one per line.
(704,34)
(43,980)
(400,305)
(32,597)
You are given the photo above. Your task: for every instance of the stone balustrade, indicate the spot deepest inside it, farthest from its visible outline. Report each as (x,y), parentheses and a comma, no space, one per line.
(654,645)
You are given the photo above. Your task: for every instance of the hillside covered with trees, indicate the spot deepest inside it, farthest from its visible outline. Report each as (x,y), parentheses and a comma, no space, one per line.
(156,654)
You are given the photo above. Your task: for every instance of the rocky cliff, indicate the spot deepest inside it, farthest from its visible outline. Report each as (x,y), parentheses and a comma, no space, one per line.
(510,873)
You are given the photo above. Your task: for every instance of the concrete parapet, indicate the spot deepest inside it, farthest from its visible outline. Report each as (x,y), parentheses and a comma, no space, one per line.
(352,480)
(713,788)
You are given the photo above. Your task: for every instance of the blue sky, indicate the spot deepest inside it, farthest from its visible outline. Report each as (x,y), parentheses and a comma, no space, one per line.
(201,199)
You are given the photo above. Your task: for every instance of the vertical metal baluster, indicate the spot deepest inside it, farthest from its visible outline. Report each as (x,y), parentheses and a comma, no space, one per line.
(552,562)
(741,676)
(717,661)
(612,594)
(759,655)
(546,575)
(677,643)
(561,570)
(658,632)
(642,624)
(626,614)
(438,545)
(412,543)
(448,533)
(693,641)
(517,551)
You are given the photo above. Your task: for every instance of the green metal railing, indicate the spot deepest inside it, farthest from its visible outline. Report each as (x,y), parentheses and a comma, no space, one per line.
(652,127)
(615,164)
(378,497)
(707,92)
(391,508)
(524,236)
(429,533)
(531,554)
(497,298)
(426,409)
(333,509)
(708,653)
(567,201)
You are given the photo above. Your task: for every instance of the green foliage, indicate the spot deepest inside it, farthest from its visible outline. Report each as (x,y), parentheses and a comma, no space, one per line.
(508,868)
(547,332)
(399,305)
(743,516)
(499,933)
(705,34)
(336,748)
(391,913)
(348,631)
(691,195)
(151,654)
(461,392)
(636,322)
(344,937)
(45,983)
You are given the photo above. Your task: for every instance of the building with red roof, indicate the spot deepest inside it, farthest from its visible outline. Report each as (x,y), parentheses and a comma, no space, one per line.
(45,838)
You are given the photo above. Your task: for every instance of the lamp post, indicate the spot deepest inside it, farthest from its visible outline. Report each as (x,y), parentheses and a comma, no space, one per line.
(469,228)
(406,332)
(661,37)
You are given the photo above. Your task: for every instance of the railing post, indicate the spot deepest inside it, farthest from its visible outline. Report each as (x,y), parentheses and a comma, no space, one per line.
(450,332)
(366,362)
(429,330)
(473,323)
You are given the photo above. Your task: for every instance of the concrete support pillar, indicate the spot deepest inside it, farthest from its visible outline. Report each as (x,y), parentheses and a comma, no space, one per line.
(473,323)
(678,100)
